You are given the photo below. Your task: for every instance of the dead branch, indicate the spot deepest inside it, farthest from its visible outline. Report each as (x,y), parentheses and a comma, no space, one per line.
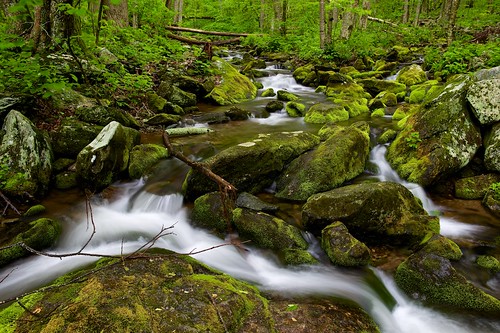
(205,32)
(8,204)
(224,184)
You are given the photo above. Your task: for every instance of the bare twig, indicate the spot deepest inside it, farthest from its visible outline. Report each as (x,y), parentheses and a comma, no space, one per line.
(218,312)
(8,204)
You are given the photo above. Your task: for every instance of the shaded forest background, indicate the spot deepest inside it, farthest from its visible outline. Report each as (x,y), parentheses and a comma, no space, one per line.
(49,45)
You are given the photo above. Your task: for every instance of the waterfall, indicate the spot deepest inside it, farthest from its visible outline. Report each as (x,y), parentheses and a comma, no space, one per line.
(127,223)
(449,226)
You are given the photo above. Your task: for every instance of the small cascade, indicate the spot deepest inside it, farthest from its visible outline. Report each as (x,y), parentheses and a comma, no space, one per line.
(129,222)
(285,81)
(449,226)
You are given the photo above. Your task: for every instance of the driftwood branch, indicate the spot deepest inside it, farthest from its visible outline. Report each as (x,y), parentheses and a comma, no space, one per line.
(375,19)
(8,204)
(204,32)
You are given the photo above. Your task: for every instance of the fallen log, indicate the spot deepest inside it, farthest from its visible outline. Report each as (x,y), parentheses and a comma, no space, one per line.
(205,32)
(375,19)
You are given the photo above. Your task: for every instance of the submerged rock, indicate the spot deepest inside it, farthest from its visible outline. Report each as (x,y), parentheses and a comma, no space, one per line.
(105,159)
(432,279)
(374,213)
(342,248)
(340,158)
(438,140)
(250,166)
(143,158)
(25,158)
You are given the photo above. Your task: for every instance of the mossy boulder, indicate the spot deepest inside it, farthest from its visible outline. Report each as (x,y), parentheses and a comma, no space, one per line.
(492,199)
(484,98)
(411,75)
(340,158)
(376,86)
(342,248)
(387,136)
(489,263)
(475,187)
(66,180)
(233,87)
(236,113)
(68,99)
(295,109)
(286,96)
(208,213)
(492,148)
(301,73)
(106,158)
(268,232)
(378,113)
(250,166)
(101,115)
(42,234)
(143,158)
(404,110)
(156,103)
(25,158)
(72,136)
(35,210)
(374,213)
(170,293)
(269,92)
(438,140)
(432,279)
(345,92)
(321,113)
(163,119)
(425,91)
(443,247)
(275,106)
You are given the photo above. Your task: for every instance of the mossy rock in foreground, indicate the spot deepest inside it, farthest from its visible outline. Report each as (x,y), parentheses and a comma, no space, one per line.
(171,293)
(433,280)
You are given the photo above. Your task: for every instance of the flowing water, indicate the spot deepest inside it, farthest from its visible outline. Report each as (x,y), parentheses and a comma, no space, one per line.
(136,214)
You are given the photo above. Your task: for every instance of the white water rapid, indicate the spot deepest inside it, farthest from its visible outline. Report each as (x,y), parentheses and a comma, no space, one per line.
(449,226)
(136,216)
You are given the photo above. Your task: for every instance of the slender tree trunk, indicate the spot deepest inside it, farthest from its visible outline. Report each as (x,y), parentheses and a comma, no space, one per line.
(262,15)
(332,19)
(418,10)
(284,14)
(491,6)
(169,4)
(322,36)
(117,13)
(99,19)
(178,7)
(363,21)
(348,21)
(453,18)
(406,11)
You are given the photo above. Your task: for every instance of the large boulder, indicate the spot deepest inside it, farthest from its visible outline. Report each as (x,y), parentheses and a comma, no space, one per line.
(25,158)
(176,95)
(438,140)
(106,158)
(72,136)
(250,166)
(431,278)
(342,248)
(376,86)
(484,98)
(340,158)
(41,234)
(375,213)
(173,293)
(233,87)
(492,148)
(342,90)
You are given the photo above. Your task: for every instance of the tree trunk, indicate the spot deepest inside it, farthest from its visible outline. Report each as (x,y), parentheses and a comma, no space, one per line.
(417,13)
(322,36)
(363,21)
(406,11)
(118,13)
(348,20)
(262,15)
(169,4)
(178,7)
(284,15)
(332,22)
(453,18)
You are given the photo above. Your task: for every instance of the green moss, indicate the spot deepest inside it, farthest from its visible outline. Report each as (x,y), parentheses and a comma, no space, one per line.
(387,136)
(287,96)
(417,96)
(443,247)
(143,158)
(10,314)
(326,113)
(35,210)
(378,113)
(208,213)
(489,262)
(269,92)
(296,257)
(295,109)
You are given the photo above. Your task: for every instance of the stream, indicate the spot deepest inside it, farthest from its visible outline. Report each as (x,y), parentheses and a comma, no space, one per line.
(135,213)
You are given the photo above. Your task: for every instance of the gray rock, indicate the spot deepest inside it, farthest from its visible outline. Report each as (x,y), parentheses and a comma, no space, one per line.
(492,149)
(484,97)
